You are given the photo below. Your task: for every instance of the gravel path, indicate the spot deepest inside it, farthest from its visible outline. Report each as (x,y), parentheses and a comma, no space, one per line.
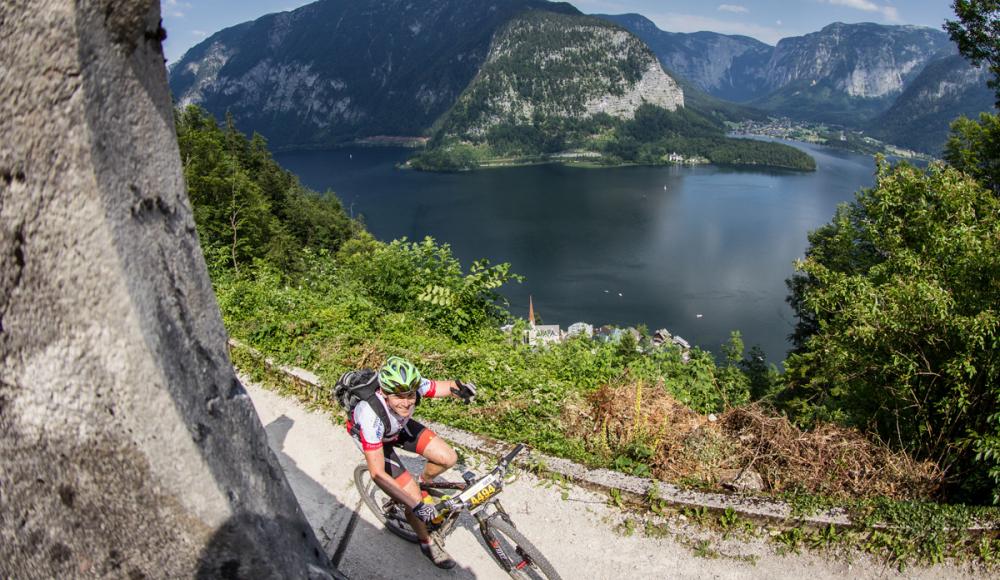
(573,527)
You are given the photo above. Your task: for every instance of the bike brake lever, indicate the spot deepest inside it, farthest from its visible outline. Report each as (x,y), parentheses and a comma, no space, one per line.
(450,504)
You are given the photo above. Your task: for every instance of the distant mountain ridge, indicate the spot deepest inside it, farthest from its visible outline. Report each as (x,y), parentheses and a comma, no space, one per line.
(902,84)
(946,89)
(337,70)
(866,61)
(847,73)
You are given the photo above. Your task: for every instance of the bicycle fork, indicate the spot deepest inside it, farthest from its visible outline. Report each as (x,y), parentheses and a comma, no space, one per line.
(492,541)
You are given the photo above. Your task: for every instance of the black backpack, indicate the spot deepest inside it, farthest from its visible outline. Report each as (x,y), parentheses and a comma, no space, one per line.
(355,386)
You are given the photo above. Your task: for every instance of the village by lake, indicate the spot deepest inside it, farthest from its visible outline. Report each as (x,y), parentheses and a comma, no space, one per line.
(699,250)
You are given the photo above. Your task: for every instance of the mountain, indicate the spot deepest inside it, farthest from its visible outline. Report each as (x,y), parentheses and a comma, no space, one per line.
(920,118)
(846,73)
(337,70)
(724,66)
(544,66)
(580,89)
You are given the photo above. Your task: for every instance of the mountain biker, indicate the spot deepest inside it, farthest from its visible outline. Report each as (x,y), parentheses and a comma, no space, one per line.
(400,384)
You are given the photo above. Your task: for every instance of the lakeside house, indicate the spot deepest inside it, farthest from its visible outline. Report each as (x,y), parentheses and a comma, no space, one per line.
(545,334)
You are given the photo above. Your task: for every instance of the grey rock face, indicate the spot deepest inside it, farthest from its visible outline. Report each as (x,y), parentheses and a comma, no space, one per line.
(127,445)
(580,66)
(725,66)
(859,60)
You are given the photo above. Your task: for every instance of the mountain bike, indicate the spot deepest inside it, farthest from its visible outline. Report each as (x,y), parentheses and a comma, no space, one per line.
(477,495)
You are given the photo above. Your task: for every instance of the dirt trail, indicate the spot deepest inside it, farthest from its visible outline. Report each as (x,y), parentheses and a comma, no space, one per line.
(573,527)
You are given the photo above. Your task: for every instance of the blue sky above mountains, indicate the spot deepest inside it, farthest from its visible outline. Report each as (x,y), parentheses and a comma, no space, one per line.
(188,22)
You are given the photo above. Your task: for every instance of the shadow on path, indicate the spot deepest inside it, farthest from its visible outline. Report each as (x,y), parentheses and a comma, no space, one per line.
(354,545)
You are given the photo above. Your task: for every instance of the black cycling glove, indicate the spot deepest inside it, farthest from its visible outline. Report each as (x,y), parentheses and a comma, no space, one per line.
(466,391)
(425,512)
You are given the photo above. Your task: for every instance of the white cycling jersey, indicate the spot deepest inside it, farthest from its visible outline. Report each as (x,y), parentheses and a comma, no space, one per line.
(371,432)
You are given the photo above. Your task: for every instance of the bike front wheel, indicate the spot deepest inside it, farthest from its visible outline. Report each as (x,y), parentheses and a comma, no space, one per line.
(389,512)
(526,560)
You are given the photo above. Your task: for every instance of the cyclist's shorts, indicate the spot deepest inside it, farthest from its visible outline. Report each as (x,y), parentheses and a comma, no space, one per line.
(413,437)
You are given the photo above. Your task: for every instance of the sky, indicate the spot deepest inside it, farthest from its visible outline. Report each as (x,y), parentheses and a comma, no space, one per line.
(188,22)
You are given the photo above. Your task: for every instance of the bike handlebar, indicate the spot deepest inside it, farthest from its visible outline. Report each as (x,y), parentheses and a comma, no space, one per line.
(455,503)
(510,456)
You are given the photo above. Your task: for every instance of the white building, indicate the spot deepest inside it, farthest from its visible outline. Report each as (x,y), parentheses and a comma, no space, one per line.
(544,334)
(580,328)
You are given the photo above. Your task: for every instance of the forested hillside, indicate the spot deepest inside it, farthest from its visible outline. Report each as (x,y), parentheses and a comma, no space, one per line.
(946,89)
(247,208)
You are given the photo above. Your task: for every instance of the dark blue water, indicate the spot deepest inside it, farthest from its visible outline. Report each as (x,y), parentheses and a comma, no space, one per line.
(700,251)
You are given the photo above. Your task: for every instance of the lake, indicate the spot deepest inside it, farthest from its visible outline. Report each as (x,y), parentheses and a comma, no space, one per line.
(700,251)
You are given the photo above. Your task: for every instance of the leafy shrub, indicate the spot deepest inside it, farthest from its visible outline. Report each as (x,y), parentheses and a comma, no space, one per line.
(900,329)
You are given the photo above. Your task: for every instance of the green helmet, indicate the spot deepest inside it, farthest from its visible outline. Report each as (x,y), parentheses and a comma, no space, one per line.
(398,375)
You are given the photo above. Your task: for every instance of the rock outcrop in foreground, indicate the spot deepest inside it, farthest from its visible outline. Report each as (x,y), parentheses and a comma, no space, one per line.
(127,446)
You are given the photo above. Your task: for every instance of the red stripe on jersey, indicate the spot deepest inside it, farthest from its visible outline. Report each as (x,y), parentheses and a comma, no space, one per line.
(361,436)
(432,390)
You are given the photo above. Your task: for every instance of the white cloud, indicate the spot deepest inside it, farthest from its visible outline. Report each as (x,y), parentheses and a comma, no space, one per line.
(674,22)
(199,33)
(175,8)
(733,8)
(889,12)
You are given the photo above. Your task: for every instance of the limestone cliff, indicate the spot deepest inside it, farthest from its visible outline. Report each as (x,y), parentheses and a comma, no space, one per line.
(544,65)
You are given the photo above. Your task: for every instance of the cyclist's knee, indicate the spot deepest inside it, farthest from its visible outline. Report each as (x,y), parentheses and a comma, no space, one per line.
(448,457)
(440,453)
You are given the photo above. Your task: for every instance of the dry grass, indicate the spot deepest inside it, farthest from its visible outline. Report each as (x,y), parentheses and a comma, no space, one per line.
(644,422)
(830,460)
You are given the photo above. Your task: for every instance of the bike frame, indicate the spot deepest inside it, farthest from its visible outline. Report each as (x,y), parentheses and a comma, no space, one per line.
(478,495)
(478,510)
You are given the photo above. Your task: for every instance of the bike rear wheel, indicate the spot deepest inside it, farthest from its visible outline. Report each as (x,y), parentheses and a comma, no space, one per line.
(389,512)
(528,561)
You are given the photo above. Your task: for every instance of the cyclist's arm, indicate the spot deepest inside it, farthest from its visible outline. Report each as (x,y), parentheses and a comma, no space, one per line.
(376,467)
(437,389)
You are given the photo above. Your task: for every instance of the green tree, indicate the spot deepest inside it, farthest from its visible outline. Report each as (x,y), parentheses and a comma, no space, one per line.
(977,34)
(733,383)
(902,291)
(763,378)
(246,206)
(975,149)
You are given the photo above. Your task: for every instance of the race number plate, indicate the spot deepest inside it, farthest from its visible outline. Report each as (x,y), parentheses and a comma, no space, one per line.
(484,494)
(482,491)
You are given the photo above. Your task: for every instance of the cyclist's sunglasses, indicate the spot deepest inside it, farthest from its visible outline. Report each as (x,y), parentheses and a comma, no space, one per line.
(411,394)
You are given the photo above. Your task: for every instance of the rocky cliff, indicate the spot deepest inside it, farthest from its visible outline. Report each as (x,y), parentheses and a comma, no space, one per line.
(725,66)
(128,448)
(544,65)
(847,73)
